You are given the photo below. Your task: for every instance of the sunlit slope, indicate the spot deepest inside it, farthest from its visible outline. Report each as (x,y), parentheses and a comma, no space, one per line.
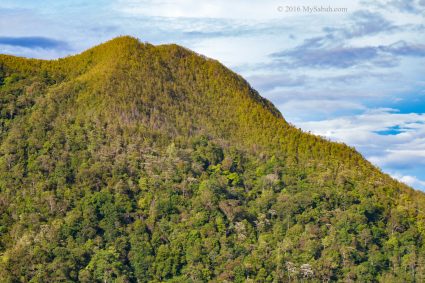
(132,162)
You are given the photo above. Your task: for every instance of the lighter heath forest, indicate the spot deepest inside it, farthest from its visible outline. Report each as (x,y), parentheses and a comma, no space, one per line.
(139,163)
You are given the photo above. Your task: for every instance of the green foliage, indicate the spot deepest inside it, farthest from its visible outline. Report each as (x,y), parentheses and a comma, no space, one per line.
(136,163)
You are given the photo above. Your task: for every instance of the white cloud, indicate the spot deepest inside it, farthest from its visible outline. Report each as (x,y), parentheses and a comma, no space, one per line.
(411,181)
(360,130)
(199,9)
(236,9)
(393,141)
(316,108)
(40,53)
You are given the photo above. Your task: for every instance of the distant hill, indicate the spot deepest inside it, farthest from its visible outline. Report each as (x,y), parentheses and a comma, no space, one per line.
(139,163)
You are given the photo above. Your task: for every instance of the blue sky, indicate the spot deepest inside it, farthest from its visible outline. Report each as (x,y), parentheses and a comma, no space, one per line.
(355,75)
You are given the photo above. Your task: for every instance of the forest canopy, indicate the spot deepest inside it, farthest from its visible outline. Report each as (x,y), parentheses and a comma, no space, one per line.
(139,163)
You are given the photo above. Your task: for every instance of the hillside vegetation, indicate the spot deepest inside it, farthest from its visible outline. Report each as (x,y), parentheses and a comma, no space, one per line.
(139,163)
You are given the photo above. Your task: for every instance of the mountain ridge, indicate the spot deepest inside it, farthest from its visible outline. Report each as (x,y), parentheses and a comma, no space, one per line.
(159,138)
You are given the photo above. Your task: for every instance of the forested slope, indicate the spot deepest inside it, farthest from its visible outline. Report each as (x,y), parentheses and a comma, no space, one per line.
(139,163)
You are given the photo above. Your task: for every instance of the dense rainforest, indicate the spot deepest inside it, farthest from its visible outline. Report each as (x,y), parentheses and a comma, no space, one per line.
(139,163)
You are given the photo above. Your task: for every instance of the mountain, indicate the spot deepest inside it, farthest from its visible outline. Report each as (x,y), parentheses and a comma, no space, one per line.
(139,163)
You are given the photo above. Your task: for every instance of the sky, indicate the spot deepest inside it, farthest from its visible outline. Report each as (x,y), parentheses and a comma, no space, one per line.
(351,71)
